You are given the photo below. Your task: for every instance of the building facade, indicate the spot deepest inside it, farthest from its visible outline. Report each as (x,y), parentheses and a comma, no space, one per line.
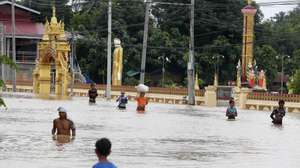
(28,33)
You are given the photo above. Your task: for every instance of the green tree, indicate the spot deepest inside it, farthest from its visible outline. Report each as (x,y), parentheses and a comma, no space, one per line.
(282,33)
(294,84)
(295,60)
(218,30)
(7,61)
(127,25)
(265,57)
(63,10)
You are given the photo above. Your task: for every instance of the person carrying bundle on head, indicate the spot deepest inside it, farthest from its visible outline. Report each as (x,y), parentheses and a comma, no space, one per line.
(142,101)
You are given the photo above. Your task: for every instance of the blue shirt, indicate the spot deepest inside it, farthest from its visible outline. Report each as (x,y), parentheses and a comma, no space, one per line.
(104,165)
(231,111)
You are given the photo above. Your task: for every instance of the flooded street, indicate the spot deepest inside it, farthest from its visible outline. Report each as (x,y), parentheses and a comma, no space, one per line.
(167,136)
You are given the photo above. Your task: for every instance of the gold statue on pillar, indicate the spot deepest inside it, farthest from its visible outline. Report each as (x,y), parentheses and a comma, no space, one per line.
(248,36)
(52,69)
(117,63)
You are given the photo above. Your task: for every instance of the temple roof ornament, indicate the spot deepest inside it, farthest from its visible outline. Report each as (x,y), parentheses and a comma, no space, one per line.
(54,28)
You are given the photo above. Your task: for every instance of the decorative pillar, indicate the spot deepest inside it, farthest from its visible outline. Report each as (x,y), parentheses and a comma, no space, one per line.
(197,82)
(243,93)
(216,80)
(44,80)
(210,96)
(248,35)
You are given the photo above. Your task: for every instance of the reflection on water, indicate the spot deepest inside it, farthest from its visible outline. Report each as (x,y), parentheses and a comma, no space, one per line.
(164,137)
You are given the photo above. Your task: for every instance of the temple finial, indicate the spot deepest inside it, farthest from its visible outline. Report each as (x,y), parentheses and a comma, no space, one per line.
(53,9)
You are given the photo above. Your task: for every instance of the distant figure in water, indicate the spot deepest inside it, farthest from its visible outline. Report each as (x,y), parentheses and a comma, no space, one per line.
(103,149)
(122,100)
(62,126)
(231,111)
(93,94)
(278,114)
(142,101)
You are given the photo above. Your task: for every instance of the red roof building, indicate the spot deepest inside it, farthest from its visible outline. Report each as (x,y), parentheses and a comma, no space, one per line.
(28,33)
(26,27)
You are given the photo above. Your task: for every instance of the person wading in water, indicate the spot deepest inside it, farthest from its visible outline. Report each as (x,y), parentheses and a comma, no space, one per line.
(122,100)
(278,114)
(231,111)
(142,101)
(63,126)
(93,94)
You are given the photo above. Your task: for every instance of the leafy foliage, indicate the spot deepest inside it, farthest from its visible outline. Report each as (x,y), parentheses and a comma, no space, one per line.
(294,84)
(7,61)
(63,10)
(218,31)
(266,60)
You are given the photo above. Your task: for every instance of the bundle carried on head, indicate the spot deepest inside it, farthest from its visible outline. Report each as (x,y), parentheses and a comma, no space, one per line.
(142,88)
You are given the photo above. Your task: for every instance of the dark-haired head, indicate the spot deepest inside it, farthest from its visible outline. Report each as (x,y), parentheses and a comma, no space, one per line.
(231,103)
(281,102)
(103,147)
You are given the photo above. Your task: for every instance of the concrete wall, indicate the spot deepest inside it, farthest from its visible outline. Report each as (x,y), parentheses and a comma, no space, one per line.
(153,97)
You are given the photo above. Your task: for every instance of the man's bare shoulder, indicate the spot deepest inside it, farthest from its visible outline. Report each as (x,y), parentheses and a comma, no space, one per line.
(70,121)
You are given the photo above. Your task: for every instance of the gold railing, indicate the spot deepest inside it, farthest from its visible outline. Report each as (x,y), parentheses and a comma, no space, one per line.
(274,97)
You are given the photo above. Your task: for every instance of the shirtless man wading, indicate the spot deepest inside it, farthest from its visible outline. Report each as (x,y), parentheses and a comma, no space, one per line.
(63,125)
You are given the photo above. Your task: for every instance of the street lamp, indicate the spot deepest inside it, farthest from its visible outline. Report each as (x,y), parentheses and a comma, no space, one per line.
(164,60)
(217,58)
(282,57)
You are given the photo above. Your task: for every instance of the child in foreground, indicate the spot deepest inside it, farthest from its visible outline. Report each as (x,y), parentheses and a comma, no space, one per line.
(103,149)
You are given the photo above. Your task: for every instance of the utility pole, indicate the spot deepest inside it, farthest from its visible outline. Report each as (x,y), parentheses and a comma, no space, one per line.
(282,57)
(13,20)
(108,85)
(145,40)
(191,63)
(2,49)
(163,71)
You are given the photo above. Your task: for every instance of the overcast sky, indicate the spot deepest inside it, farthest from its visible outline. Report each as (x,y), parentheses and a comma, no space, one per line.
(272,10)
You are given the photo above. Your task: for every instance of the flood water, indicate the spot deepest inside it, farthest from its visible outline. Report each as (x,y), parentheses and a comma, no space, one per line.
(167,136)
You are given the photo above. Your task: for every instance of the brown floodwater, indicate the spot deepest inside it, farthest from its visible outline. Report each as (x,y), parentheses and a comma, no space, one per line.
(167,136)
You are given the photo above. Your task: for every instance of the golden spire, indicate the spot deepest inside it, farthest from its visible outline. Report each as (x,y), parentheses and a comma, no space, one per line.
(249,2)
(53,11)
(53,19)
